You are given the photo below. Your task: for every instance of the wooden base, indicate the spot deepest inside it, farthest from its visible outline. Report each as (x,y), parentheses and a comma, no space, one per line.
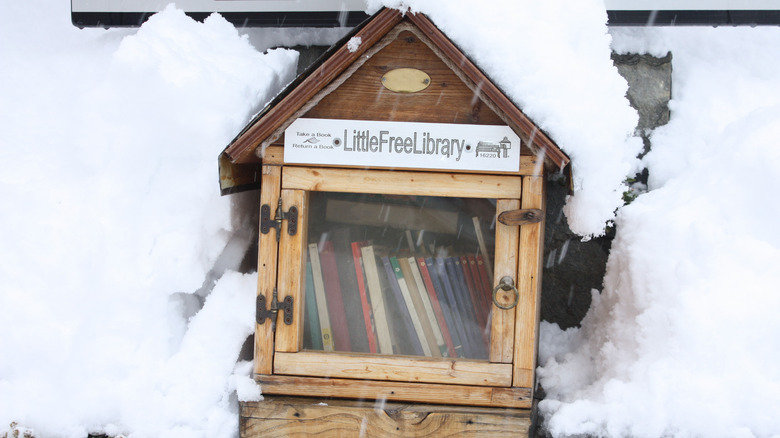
(319,417)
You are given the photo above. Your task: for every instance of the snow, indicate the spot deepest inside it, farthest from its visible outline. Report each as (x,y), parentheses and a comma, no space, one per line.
(564,81)
(684,339)
(113,214)
(354,43)
(112,219)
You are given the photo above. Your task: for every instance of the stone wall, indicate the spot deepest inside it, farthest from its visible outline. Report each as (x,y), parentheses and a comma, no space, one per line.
(573,268)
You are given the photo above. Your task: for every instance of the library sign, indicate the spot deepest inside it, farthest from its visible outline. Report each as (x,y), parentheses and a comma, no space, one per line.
(491,148)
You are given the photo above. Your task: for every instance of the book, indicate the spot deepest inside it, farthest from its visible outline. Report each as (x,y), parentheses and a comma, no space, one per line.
(378,310)
(476,295)
(450,307)
(473,329)
(313,330)
(486,279)
(319,292)
(429,338)
(350,293)
(357,260)
(438,339)
(338,316)
(437,310)
(484,291)
(408,340)
(482,246)
(417,326)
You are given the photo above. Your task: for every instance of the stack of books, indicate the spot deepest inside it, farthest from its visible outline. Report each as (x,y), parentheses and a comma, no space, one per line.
(361,297)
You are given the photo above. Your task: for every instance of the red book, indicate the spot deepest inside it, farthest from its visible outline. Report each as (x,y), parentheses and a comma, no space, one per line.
(477,299)
(356,255)
(338,317)
(485,295)
(445,332)
(487,289)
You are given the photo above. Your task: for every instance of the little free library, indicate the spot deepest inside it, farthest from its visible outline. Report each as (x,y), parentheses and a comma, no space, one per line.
(401,227)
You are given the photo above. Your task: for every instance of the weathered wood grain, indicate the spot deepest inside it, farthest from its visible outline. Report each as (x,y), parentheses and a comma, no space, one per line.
(503,321)
(401,183)
(396,391)
(266,270)
(305,417)
(291,273)
(529,285)
(393,368)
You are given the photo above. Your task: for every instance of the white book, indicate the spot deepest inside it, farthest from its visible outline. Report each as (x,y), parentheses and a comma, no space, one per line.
(377,303)
(319,292)
(426,300)
(418,328)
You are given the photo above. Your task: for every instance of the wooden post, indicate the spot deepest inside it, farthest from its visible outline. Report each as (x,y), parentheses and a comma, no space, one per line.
(529,285)
(503,321)
(266,271)
(291,274)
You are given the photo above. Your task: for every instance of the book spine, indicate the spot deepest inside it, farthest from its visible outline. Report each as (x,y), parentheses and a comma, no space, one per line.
(378,309)
(449,307)
(406,326)
(319,292)
(365,303)
(437,309)
(486,280)
(473,329)
(475,294)
(482,246)
(438,339)
(350,293)
(312,317)
(428,339)
(338,317)
(484,291)
(457,305)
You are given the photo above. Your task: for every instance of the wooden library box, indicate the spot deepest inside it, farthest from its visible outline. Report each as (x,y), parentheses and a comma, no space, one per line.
(402,209)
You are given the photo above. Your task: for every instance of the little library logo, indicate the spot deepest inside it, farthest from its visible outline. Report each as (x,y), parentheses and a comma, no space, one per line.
(488,149)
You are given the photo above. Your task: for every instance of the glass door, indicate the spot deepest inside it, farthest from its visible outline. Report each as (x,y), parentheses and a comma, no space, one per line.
(394,274)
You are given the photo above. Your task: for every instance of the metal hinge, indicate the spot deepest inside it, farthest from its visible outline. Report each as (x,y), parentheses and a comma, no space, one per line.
(285,306)
(266,223)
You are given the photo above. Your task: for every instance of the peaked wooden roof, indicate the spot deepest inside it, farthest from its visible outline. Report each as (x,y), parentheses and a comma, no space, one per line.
(275,117)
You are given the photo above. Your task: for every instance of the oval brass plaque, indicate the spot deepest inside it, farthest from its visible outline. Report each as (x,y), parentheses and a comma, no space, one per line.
(406,80)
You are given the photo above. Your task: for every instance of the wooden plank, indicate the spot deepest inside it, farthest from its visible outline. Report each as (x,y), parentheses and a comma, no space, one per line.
(242,148)
(528,164)
(446,100)
(266,271)
(308,416)
(291,274)
(401,183)
(529,285)
(538,139)
(393,368)
(396,391)
(503,321)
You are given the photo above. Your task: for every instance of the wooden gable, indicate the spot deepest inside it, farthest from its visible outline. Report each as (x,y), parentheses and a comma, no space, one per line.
(348,85)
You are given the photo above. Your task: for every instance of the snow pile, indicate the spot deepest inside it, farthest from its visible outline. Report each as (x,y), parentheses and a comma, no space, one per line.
(553,60)
(112,219)
(684,340)
(111,207)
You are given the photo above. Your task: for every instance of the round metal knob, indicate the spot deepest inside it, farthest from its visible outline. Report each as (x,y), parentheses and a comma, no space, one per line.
(506,284)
